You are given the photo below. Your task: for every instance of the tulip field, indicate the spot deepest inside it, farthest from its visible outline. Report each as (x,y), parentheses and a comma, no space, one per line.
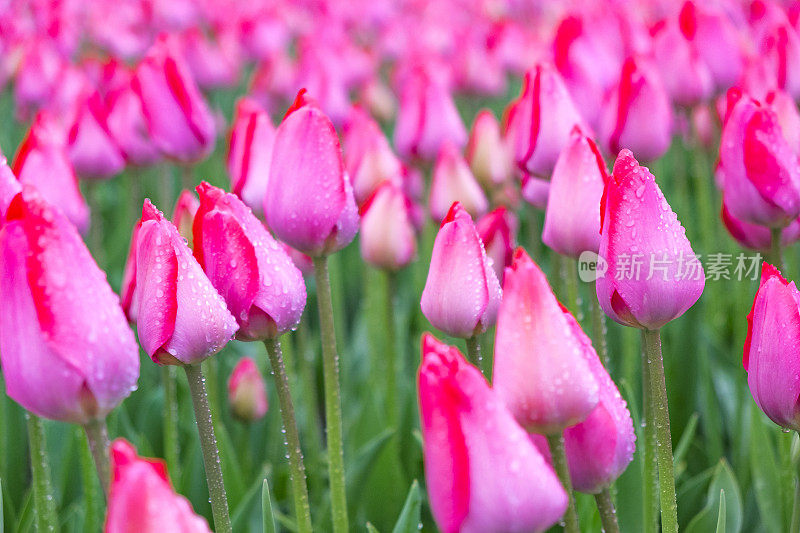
(388,266)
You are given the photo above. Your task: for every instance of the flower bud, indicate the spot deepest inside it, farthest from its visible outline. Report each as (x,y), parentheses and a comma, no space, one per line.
(388,239)
(453,182)
(93,151)
(498,232)
(488,155)
(250,153)
(247,391)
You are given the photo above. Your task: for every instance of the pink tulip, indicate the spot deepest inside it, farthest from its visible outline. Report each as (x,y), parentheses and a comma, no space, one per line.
(787,114)
(247,391)
(388,239)
(572,219)
(261,285)
(498,232)
(128,297)
(66,350)
(535,190)
(453,182)
(177,116)
(39,68)
(93,151)
(653,275)
(482,471)
(180,317)
(540,368)
(461,294)
(686,77)
(488,155)
(9,187)
(141,498)
(214,63)
(42,161)
(250,153)
(638,114)
(757,237)
(309,202)
(183,214)
(778,45)
(758,170)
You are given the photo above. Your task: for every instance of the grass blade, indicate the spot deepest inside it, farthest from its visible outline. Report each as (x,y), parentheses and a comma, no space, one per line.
(266,509)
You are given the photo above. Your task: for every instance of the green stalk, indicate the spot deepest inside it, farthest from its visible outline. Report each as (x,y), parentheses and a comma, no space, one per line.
(796,506)
(43,501)
(608,514)
(599,330)
(171,446)
(569,277)
(390,350)
(650,464)
(775,251)
(559,454)
(187,177)
(88,475)
(97,433)
(208,444)
(292,438)
(660,411)
(333,401)
(474,351)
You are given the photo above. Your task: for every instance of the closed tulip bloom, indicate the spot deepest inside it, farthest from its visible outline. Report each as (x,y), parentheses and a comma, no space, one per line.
(483,473)
(247,392)
(261,285)
(686,77)
(639,227)
(779,49)
(770,348)
(42,161)
(638,114)
(67,352)
(250,153)
(183,214)
(535,190)
(93,151)
(180,317)
(572,219)
(487,153)
(309,203)
(388,238)
(754,236)
(540,369)
(498,232)
(141,498)
(461,294)
(9,187)
(453,182)
(177,116)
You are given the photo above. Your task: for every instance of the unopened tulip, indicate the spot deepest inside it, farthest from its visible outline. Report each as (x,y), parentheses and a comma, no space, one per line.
(214,63)
(498,232)
(388,238)
(535,190)
(638,114)
(653,275)
(757,237)
(487,153)
(540,368)
(572,219)
(247,392)
(461,294)
(778,46)
(180,317)
(9,187)
(250,153)
(482,471)
(183,214)
(261,285)
(309,202)
(453,182)
(770,349)
(686,77)
(93,151)
(67,352)
(178,118)
(141,498)
(42,161)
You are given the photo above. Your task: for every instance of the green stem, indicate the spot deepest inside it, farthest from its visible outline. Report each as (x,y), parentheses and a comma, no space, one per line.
(569,277)
(208,444)
(650,464)
(171,446)
(557,451)
(660,410)
(608,514)
(88,476)
(97,433)
(165,189)
(187,177)
(333,401)
(390,350)
(292,437)
(43,500)
(474,351)
(599,330)
(796,506)
(775,251)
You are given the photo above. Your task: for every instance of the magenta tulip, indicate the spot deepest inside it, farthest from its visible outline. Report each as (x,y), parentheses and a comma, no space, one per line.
(686,76)
(754,236)
(453,182)
(93,151)
(388,237)
(250,153)
(9,187)
(487,153)
(247,392)
(498,232)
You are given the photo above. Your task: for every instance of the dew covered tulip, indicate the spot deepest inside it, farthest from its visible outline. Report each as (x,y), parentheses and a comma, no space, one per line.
(180,317)
(453,182)
(247,393)
(388,237)
(93,151)
(540,368)
(482,471)
(255,276)
(309,203)
(67,352)
(498,232)
(461,294)
(250,153)
(653,275)
(141,498)
(572,218)
(487,153)
(9,187)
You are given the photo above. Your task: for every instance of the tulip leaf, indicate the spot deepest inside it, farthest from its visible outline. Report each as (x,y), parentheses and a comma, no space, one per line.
(240,511)
(365,460)
(1,507)
(722,517)
(268,520)
(371,528)
(766,475)
(408,522)
(683,444)
(723,496)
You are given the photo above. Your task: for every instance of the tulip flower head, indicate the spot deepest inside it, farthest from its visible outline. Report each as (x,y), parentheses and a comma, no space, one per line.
(388,237)
(93,151)
(757,237)
(250,153)
(247,391)
(453,182)
(487,153)
(498,232)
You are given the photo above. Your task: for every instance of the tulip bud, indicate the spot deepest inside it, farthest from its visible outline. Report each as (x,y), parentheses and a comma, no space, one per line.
(779,49)
(754,236)
(142,499)
(37,74)
(638,114)
(453,182)
(180,317)
(686,77)
(482,471)
(498,232)
(572,219)
(67,352)
(9,187)
(42,161)
(488,155)
(250,153)
(178,118)
(247,391)
(535,190)
(461,293)
(183,214)
(388,240)
(540,369)
(260,284)
(214,64)
(309,202)
(92,149)
(653,275)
